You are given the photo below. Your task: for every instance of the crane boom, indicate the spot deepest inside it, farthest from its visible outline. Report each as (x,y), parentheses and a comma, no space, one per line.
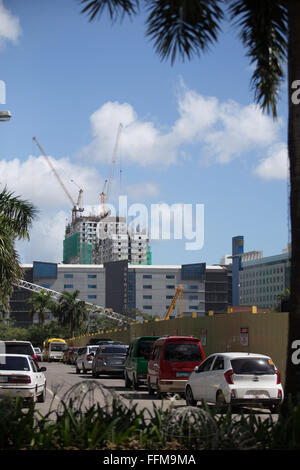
(56,295)
(173,303)
(54,170)
(76,207)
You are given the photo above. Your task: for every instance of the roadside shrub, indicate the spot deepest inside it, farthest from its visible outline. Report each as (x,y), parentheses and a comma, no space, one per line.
(81,423)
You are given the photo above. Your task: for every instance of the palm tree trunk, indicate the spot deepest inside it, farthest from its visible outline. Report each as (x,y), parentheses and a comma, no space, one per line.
(292,386)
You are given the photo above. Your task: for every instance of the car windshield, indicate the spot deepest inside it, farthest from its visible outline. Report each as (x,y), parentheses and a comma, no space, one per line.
(183,352)
(14,363)
(58,347)
(113,350)
(18,349)
(144,348)
(253,365)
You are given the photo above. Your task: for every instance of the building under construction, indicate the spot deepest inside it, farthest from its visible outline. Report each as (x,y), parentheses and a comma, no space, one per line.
(98,240)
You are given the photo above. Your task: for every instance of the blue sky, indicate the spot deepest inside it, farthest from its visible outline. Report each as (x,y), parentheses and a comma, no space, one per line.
(191,135)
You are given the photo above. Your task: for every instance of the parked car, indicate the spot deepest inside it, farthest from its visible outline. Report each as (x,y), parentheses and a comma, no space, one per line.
(18,347)
(109,359)
(74,354)
(237,379)
(85,358)
(172,359)
(136,363)
(38,353)
(66,359)
(20,377)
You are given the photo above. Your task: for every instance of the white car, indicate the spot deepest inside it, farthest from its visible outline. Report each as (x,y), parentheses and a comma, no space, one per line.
(237,379)
(21,377)
(85,358)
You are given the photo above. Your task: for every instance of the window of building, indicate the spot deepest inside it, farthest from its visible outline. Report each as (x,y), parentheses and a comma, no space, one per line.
(68,276)
(92,297)
(147,307)
(170,276)
(147,296)
(147,286)
(92,286)
(68,286)
(92,276)
(147,276)
(170,287)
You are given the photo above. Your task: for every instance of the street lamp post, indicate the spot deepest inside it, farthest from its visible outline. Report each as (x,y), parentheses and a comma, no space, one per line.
(5,115)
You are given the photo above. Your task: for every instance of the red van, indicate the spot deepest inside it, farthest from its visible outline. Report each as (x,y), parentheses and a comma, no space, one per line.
(171,361)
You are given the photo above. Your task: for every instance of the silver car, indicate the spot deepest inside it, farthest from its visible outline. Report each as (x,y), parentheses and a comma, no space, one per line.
(109,359)
(85,358)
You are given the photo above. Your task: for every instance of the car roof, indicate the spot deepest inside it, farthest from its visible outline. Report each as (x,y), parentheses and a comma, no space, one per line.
(16,355)
(233,355)
(16,341)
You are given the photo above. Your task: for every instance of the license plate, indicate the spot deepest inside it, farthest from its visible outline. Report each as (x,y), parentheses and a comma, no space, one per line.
(183,374)
(257,394)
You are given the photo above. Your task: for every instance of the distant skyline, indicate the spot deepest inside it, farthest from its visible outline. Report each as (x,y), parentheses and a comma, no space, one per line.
(191,133)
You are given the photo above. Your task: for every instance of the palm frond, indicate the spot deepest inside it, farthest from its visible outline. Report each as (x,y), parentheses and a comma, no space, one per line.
(116,8)
(263,31)
(183,27)
(18,213)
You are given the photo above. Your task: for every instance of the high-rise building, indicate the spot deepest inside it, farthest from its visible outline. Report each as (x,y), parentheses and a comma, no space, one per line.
(96,240)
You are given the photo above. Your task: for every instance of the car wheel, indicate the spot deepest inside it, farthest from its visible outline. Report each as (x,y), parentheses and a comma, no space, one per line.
(135,383)
(220,401)
(95,374)
(77,369)
(84,369)
(189,397)
(275,409)
(42,397)
(127,381)
(151,390)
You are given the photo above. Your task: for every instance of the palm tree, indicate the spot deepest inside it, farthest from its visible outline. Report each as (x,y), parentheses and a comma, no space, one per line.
(41,303)
(16,216)
(71,311)
(270,32)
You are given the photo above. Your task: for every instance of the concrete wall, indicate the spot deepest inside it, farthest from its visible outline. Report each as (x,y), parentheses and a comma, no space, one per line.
(266,333)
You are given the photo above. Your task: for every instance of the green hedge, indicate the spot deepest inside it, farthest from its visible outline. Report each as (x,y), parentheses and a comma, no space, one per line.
(116,425)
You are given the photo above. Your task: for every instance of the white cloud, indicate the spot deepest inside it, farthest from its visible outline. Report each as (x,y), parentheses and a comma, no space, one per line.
(46,238)
(275,165)
(9,25)
(34,180)
(221,131)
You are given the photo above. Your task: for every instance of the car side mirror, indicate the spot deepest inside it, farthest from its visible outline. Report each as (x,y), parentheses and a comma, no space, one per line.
(42,369)
(197,369)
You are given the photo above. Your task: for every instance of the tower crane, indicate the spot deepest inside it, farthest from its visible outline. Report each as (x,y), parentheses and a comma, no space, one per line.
(76,206)
(104,196)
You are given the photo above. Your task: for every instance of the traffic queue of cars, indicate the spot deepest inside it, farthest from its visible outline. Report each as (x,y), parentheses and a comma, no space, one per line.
(168,364)
(177,364)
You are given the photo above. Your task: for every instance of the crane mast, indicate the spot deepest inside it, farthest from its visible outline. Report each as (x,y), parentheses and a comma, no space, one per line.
(104,196)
